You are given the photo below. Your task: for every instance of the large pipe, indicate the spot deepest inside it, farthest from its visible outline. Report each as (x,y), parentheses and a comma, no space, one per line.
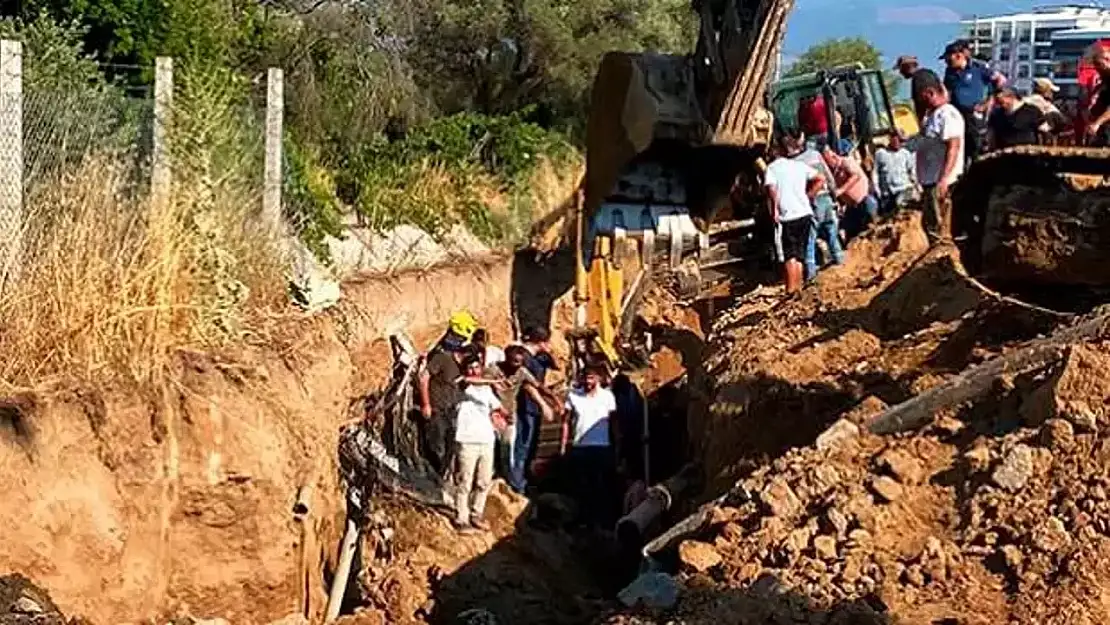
(632,527)
(342,571)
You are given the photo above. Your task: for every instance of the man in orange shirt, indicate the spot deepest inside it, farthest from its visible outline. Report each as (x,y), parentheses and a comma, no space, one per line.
(853,192)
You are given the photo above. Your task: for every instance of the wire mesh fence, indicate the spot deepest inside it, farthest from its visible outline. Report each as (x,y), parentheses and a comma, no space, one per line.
(58,137)
(61,129)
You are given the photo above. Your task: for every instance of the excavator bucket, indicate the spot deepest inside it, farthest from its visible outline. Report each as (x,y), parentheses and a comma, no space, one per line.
(636,99)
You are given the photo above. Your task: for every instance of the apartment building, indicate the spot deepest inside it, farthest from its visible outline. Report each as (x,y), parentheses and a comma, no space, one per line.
(1038,43)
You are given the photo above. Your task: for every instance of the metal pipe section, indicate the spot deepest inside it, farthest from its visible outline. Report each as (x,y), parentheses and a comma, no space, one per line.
(632,527)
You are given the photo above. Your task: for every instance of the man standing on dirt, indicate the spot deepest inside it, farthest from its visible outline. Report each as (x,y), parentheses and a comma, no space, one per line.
(920,78)
(530,413)
(440,395)
(854,193)
(594,450)
(517,381)
(826,223)
(475,439)
(940,161)
(970,84)
(791,186)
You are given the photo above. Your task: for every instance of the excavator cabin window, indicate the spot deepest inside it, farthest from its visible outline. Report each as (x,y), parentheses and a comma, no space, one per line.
(848,103)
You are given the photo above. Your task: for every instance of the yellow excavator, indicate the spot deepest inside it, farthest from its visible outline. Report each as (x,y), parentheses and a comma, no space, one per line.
(674,145)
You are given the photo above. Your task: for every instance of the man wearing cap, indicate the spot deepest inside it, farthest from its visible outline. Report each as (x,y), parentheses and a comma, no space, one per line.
(970,84)
(1043,92)
(920,78)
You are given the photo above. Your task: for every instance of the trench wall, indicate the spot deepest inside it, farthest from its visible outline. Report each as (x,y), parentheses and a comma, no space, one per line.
(132,504)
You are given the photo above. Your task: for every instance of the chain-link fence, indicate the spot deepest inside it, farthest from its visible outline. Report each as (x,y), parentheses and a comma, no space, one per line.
(53,129)
(63,128)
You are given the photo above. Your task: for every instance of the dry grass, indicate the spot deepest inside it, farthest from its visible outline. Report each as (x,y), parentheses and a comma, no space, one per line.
(112,285)
(553,189)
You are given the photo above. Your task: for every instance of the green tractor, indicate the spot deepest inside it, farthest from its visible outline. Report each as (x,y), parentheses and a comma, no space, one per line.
(857,106)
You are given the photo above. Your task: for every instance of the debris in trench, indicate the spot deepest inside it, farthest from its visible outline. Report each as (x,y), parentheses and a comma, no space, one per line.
(984,507)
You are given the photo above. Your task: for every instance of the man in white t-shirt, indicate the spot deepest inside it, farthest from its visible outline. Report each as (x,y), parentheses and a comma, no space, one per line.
(940,161)
(791,186)
(593,454)
(475,439)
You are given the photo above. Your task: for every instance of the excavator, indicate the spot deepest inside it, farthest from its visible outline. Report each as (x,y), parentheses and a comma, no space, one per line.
(675,152)
(675,146)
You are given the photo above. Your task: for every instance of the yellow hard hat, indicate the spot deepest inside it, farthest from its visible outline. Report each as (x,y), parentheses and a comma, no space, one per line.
(463,324)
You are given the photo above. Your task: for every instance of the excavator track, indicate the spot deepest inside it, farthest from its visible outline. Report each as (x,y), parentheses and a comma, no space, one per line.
(1038,218)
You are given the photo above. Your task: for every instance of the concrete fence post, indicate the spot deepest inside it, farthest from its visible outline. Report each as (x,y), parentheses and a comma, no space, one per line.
(162,168)
(272,214)
(11,158)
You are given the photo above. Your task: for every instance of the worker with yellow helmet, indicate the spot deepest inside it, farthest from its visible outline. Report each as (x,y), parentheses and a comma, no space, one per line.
(439,391)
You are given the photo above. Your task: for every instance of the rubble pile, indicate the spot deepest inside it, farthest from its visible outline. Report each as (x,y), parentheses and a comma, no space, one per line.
(997,511)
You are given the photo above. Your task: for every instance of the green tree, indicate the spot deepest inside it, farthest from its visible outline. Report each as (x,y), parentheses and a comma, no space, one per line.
(844,51)
(833,52)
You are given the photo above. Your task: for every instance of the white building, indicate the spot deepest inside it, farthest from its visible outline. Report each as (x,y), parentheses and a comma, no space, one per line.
(1021,44)
(1068,47)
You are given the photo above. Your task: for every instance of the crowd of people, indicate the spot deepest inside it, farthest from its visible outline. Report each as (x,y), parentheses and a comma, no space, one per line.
(482,408)
(820,197)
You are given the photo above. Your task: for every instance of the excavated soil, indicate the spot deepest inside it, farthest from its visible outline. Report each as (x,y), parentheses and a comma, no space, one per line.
(997,512)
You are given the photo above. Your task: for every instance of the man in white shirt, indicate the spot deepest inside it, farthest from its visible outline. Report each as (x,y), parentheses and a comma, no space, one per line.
(791,186)
(475,438)
(940,161)
(593,454)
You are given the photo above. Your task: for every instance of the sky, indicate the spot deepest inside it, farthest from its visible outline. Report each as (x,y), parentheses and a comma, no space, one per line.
(896,27)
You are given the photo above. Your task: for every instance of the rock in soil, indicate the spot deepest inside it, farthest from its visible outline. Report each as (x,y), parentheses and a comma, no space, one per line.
(698,556)
(1016,469)
(886,489)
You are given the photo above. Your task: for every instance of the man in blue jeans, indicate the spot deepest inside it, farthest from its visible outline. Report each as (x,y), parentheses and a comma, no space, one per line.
(826,225)
(529,413)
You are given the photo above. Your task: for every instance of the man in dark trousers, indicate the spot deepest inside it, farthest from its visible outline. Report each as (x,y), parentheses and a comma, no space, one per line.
(920,79)
(440,395)
(971,85)
(530,414)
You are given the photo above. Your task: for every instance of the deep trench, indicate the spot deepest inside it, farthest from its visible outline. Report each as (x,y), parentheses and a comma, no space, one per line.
(550,569)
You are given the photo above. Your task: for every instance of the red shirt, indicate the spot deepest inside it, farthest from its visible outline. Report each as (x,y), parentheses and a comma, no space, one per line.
(1089,82)
(812,116)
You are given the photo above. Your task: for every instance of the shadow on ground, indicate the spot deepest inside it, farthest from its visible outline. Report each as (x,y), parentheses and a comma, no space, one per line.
(543,573)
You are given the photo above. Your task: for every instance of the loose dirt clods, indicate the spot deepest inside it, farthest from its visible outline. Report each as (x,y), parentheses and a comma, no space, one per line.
(997,512)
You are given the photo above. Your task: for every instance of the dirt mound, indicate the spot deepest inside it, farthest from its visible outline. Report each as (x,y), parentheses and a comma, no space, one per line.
(889,324)
(997,512)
